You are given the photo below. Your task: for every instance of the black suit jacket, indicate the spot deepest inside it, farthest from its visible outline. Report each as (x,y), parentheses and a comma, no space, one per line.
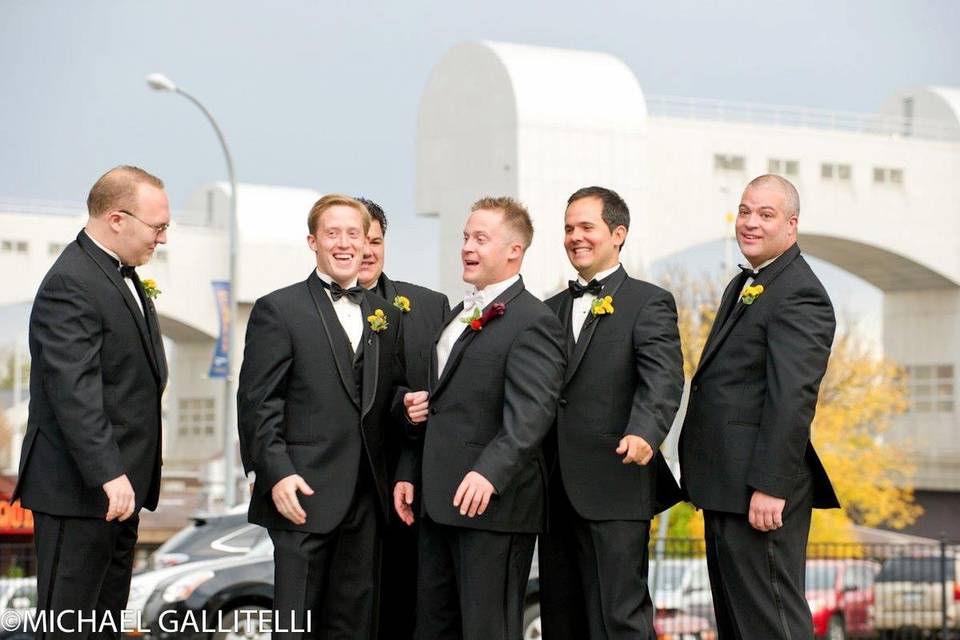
(625,377)
(300,409)
(97,374)
(489,412)
(754,394)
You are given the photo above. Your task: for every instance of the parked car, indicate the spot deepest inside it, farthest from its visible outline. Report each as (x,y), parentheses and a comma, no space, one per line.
(208,537)
(682,585)
(840,593)
(908,595)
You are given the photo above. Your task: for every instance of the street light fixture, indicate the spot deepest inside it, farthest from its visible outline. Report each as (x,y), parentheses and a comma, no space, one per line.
(160,82)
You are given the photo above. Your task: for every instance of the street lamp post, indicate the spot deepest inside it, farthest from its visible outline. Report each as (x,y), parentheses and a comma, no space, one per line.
(160,82)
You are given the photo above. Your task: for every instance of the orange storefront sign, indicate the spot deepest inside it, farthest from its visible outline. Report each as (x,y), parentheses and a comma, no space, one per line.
(15,520)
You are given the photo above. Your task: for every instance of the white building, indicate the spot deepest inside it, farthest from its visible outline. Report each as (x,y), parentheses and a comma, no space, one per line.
(879,193)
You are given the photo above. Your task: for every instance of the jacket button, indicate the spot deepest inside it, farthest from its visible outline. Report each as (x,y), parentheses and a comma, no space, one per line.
(563,402)
(696,387)
(434,411)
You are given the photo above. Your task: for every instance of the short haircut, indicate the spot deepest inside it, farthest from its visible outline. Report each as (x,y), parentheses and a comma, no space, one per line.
(376,213)
(791,198)
(117,189)
(333,200)
(615,212)
(515,216)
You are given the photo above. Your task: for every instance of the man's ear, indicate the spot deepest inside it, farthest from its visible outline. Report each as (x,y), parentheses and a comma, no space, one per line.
(312,242)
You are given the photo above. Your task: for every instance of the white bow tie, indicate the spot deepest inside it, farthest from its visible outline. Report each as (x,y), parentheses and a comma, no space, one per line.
(474,299)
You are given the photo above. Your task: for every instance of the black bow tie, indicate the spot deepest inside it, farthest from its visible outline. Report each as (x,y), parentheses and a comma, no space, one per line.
(126,271)
(577,290)
(354,294)
(750,271)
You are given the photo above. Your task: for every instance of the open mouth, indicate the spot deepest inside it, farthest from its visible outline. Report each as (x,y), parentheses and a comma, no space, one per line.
(470,263)
(343,259)
(580,252)
(749,237)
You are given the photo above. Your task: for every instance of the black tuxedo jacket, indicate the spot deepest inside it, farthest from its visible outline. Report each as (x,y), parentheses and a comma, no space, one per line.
(754,394)
(301,410)
(489,411)
(624,377)
(429,311)
(98,372)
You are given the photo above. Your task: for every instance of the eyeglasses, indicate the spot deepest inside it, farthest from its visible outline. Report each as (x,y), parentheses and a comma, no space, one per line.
(157,228)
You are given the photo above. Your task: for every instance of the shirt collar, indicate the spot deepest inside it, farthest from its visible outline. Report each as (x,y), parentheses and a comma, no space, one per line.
(104,249)
(329,280)
(600,276)
(492,291)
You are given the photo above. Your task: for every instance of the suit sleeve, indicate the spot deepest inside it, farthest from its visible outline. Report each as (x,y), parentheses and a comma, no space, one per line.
(532,380)
(267,358)
(656,346)
(69,333)
(798,347)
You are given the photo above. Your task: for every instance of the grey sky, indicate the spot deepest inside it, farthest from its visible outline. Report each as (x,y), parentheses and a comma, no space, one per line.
(325,94)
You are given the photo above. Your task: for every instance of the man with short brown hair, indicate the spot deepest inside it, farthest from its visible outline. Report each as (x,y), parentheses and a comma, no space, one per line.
(495,375)
(91,453)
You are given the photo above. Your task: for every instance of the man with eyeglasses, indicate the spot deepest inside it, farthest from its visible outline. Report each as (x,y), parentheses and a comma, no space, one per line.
(91,454)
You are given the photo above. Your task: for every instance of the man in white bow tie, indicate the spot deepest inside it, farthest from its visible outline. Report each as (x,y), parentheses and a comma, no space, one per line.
(495,378)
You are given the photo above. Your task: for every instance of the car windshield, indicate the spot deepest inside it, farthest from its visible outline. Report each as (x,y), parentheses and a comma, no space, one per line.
(913,570)
(821,577)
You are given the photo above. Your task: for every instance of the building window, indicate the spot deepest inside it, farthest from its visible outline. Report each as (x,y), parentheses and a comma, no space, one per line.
(55,248)
(884,175)
(930,388)
(196,417)
(835,172)
(722,162)
(13,246)
(788,168)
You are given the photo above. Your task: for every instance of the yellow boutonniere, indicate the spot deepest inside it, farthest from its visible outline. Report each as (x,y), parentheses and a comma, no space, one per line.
(150,288)
(751,293)
(378,321)
(402,303)
(602,306)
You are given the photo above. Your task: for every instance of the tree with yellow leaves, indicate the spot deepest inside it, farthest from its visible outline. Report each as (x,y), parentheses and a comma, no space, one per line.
(859,395)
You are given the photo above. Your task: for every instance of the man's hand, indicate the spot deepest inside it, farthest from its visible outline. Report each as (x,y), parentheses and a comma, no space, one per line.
(285,498)
(473,495)
(766,511)
(416,404)
(403,501)
(636,449)
(120,497)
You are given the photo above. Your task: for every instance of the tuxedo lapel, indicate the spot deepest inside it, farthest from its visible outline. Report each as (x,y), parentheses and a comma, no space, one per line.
(109,268)
(456,354)
(610,287)
(766,276)
(156,336)
(336,336)
(390,292)
(434,363)
(564,312)
(371,359)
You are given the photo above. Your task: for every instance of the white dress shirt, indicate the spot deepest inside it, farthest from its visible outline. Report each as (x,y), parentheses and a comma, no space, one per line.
(473,300)
(349,314)
(130,283)
(581,305)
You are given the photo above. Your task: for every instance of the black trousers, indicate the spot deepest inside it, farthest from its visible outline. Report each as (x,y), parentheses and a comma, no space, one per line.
(757,577)
(472,583)
(398,581)
(593,577)
(84,566)
(334,576)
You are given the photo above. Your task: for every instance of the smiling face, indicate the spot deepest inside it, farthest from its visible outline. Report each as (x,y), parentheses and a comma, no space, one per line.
(765,228)
(137,237)
(338,241)
(372,265)
(591,246)
(491,250)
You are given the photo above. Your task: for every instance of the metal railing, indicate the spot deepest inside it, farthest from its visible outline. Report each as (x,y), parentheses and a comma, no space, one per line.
(801,117)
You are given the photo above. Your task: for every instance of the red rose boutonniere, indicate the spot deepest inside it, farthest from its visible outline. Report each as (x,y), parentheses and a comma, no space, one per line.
(478,321)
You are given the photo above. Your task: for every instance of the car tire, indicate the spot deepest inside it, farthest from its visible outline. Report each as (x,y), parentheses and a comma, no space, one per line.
(531,622)
(243,624)
(836,628)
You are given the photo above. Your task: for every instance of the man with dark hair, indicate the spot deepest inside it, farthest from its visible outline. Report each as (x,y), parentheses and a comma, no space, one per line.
(495,375)
(91,453)
(608,478)
(422,313)
(319,394)
(745,453)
